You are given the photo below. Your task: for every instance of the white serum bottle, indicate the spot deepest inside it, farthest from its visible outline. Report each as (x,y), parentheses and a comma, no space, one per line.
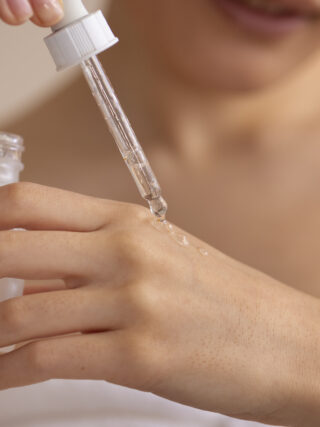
(11,148)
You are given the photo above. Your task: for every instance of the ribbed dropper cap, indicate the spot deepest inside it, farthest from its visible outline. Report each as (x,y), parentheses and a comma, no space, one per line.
(78,36)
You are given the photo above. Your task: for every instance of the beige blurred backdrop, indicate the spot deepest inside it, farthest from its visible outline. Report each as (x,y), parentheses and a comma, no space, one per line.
(27,73)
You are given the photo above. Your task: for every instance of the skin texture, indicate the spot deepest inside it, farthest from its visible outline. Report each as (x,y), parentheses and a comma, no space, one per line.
(208,332)
(207,341)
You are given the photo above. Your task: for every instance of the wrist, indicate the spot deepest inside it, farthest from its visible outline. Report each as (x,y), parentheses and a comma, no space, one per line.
(298,390)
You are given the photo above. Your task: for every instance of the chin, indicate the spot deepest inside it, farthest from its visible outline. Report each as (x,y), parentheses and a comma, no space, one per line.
(237,71)
(236,79)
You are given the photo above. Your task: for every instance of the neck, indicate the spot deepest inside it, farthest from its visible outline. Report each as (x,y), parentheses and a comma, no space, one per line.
(163,107)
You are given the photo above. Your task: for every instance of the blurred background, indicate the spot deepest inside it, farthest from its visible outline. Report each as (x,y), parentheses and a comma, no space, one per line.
(28,74)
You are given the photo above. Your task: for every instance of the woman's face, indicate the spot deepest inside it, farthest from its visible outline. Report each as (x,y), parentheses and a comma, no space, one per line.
(229,44)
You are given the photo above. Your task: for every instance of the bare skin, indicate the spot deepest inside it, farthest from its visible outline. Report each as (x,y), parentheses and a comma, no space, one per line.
(208,332)
(242,148)
(252,196)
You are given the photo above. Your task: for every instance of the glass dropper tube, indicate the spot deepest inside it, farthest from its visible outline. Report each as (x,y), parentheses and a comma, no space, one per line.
(124,136)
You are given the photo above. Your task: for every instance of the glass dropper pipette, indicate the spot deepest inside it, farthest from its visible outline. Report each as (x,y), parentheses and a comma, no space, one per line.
(124,136)
(76,40)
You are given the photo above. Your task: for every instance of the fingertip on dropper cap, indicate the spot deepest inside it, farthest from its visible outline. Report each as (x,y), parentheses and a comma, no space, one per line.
(73,10)
(78,36)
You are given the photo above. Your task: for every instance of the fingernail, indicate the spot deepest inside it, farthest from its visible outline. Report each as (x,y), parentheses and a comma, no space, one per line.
(21,9)
(48,11)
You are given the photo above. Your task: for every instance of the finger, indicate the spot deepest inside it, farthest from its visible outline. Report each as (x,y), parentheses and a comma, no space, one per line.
(41,255)
(46,12)
(59,313)
(32,206)
(39,286)
(15,12)
(94,356)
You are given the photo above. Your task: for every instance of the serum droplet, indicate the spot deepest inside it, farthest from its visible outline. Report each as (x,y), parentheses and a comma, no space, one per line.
(181,239)
(164,225)
(169,227)
(203,251)
(158,224)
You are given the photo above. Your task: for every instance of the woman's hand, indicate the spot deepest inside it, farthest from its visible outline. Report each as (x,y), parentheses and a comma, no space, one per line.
(41,12)
(141,311)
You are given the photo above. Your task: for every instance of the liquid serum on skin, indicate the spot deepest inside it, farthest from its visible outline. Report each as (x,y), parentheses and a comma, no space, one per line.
(77,40)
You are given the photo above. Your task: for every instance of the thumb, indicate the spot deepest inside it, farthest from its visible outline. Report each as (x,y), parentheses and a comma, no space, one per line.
(46,12)
(42,12)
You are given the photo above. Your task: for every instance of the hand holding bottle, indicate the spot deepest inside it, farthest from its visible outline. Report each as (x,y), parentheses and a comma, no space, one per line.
(41,12)
(141,311)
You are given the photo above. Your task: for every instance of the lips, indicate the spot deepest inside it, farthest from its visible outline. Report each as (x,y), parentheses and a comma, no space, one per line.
(270,17)
(306,7)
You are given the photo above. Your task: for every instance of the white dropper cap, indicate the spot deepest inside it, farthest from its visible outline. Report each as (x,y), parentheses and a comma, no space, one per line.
(78,36)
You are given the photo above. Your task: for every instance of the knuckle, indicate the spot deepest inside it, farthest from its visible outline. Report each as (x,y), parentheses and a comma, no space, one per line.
(131,213)
(143,298)
(134,244)
(126,241)
(139,212)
